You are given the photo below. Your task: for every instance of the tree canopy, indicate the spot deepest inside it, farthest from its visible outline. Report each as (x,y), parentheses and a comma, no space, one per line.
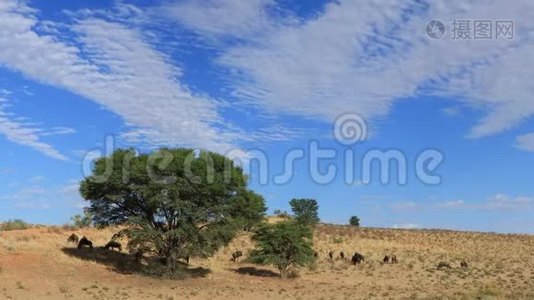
(354,221)
(305,211)
(176,202)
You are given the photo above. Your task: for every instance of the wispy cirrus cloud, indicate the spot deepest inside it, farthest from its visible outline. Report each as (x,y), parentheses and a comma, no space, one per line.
(36,195)
(352,56)
(502,202)
(406,206)
(113,64)
(453,204)
(406,226)
(22,132)
(357,56)
(506,202)
(525,142)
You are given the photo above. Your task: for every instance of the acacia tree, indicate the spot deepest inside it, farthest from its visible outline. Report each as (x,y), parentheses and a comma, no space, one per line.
(354,221)
(305,211)
(286,245)
(175,202)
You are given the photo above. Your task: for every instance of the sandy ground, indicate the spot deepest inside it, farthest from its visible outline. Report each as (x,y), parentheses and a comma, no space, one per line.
(38,263)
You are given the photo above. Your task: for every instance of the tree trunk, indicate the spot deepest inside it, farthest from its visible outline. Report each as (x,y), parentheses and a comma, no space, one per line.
(171,261)
(283,273)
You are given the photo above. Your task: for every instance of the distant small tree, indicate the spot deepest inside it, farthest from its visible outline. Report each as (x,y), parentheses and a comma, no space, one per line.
(82,221)
(354,221)
(305,211)
(285,245)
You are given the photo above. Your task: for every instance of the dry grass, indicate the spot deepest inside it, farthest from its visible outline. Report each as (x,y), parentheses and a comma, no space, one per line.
(33,265)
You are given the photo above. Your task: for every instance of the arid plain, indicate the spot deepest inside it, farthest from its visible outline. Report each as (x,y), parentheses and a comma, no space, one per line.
(39,263)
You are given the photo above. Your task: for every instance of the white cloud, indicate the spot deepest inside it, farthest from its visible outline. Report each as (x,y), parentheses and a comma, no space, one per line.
(351,56)
(506,202)
(361,56)
(59,131)
(454,204)
(34,195)
(119,70)
(37,179)
(24,133)
(525,142)
(33,205)
(224,17)
(25,193)
(406,226)
(451,111)
(405,206)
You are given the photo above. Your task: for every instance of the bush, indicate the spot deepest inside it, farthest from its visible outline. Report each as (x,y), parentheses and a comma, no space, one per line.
(82,221)
(16,224)
(354,221)
(285,245)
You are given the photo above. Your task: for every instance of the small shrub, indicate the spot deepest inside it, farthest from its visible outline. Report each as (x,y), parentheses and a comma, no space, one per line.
(82,221)
(16,224)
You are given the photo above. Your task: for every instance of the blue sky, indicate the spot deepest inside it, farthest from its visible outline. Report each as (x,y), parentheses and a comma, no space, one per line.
(267,78)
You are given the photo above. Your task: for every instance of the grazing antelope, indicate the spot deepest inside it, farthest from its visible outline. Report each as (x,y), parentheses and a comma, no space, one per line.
(236,255)
(113,244)
(85,242)
(73,239)
(357,258)
(444,265)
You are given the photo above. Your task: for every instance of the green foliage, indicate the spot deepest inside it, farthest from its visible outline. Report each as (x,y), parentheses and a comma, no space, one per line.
(354,221)
(305,211)
(82,221)
(175,202)
(16,224)
(285,245)
(248,208)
